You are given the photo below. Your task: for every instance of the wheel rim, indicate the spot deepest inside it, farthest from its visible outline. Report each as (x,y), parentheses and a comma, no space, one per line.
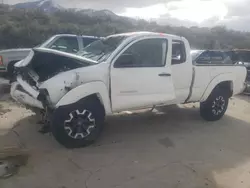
(79,124)
(218,105)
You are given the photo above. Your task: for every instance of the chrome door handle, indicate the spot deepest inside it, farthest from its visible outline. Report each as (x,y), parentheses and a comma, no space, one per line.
(164,74)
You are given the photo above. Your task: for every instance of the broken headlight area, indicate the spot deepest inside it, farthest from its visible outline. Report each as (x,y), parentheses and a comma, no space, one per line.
(21,95)
(20,88)
(25,73)
(44,98)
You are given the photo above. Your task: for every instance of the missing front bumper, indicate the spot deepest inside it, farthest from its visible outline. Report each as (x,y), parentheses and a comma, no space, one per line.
(19,94)
(24,93)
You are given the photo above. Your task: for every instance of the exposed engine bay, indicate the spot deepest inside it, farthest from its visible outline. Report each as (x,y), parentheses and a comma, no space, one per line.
(47,65)
(34,72)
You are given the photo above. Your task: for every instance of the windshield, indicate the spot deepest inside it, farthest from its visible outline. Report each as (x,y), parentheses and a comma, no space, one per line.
(45,43)
(195,53)
(100,50)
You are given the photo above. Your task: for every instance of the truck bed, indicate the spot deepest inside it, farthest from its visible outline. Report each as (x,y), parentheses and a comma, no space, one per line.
(205,75)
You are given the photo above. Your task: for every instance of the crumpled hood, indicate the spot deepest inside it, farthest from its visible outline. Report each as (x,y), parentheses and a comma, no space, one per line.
(27,60)
(65,54)
(46,63)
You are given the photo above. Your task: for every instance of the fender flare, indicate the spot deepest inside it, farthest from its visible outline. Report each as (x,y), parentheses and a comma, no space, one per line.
(85,90)
(215,81)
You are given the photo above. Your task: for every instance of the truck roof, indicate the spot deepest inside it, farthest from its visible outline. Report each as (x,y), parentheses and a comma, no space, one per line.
(142,33)
(72,35)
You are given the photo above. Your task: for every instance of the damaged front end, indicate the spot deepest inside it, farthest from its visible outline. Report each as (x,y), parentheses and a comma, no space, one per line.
(45,76)
(22,92)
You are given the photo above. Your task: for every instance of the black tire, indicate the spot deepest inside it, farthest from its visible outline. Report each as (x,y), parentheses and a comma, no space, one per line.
(67,130)
(215,106)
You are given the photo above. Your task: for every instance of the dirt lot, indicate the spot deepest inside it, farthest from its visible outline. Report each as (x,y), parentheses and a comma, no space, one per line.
(168,148)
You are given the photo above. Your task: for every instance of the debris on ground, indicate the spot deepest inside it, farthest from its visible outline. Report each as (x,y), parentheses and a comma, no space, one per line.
(10,161)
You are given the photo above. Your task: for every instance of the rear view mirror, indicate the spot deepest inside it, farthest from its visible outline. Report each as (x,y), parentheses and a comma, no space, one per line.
(125,60)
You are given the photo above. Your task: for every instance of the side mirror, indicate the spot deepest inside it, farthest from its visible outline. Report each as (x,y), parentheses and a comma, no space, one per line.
(125,60)
(176,59)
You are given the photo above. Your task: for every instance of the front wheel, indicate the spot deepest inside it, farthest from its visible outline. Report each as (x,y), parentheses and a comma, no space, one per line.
(215,106)
(79,124)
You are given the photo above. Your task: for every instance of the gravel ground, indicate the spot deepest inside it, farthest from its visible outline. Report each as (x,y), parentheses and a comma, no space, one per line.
(171,147)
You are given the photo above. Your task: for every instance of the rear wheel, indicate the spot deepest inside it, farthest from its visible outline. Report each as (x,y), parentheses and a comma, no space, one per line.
(215,106)
(79,124)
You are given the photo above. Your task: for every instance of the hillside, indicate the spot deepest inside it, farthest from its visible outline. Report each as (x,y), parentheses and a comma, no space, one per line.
(44,5)
(27,27)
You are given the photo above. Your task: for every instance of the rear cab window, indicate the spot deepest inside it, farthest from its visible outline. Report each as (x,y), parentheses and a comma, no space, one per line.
(178,52)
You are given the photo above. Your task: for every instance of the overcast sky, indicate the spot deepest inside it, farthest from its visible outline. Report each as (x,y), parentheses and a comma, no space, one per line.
(234,14)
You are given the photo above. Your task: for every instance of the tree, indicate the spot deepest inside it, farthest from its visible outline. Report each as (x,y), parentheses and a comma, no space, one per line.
(27,28)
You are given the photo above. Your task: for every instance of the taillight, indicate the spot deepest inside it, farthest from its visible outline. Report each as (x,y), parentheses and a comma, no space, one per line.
(1,60)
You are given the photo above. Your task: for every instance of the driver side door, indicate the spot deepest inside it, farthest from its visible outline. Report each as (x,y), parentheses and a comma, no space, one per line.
(141,75)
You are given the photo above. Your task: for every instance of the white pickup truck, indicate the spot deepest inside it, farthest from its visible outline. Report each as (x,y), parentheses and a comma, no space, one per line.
(62,42)
(120,72)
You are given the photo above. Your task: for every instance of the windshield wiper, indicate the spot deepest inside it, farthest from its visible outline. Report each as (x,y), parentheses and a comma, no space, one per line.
(103,55)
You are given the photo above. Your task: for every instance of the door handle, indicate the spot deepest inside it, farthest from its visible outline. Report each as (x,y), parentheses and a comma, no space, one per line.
(164,74)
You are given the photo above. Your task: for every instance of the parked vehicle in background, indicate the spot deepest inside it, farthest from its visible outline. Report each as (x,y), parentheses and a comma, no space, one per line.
(210,57)
(62,42)
(120,72)
(242,57)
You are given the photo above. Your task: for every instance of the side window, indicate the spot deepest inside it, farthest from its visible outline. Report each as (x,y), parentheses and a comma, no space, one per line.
(178,52)
(144,53)
(66,44)
(86,41)
(204,58)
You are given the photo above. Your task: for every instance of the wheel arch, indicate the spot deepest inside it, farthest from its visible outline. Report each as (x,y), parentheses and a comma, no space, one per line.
(93,89)
(12,63)
(10,66)
(227,86)
(223,81)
